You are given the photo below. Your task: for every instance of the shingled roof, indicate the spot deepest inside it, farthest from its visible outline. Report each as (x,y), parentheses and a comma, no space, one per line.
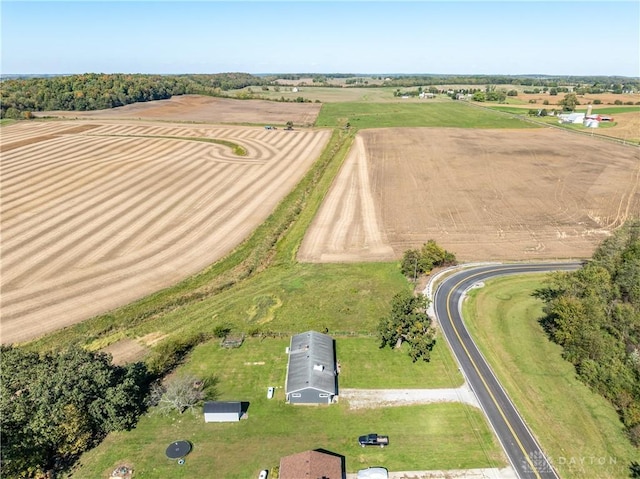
(311,465)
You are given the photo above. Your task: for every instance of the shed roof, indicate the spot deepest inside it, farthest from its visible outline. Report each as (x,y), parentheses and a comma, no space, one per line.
(311,465)
(311,363)
(222,407)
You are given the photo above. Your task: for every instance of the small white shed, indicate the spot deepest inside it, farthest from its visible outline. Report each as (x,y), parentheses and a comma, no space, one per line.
(222,411)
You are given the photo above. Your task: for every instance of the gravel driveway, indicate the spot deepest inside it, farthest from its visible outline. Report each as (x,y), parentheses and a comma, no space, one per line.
(373,398)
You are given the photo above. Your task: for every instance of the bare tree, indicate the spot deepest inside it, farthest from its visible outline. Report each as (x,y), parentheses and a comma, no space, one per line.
(177,394)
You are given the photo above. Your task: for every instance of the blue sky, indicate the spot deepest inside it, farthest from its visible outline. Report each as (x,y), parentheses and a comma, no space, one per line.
(454,37)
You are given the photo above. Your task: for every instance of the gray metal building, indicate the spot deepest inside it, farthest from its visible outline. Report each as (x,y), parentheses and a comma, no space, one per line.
(222,411)
(311,370)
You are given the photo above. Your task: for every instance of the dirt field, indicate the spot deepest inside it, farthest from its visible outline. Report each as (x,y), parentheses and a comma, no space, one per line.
(627,127)
(607,99)
(198,108)
(97,215)
(482,194)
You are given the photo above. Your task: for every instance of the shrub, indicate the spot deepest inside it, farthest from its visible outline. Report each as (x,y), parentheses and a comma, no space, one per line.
(221,331)
(168,354)
(417,262)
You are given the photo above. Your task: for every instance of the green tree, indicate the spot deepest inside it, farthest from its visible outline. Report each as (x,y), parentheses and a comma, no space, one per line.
(594,314)
(56,405)
(416,262)
(411,266)
(569,102)
(432,255)
(409,323)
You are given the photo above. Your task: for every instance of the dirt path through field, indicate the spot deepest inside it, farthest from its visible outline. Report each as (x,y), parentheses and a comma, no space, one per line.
(347,227)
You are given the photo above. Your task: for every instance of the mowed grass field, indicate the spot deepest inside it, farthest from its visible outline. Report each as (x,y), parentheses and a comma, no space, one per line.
(579,430)
(413,114)
(435,436)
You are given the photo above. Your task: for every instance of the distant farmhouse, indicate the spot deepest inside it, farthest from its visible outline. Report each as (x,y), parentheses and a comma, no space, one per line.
(311,369)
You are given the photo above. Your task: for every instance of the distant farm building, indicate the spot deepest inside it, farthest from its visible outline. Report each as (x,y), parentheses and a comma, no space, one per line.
(599,117)
(311,369)
(575,118)
(222,411)
(589,120)
(312,465)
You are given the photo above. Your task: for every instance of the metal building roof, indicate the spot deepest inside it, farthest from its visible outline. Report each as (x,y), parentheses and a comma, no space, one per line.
(311,363)
(222,407)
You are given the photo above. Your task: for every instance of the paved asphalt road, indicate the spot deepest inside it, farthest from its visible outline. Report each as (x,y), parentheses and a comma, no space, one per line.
(522,449)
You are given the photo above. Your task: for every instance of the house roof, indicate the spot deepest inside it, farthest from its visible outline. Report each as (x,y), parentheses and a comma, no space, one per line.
(222,407)
(311,363)
(311,465)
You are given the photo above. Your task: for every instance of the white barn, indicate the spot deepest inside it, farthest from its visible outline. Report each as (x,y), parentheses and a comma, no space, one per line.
(576,118)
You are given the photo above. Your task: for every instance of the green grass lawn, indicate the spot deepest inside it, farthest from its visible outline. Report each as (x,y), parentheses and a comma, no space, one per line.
(436,436)
(437,114)
(579,430)
(344,298)
(364,365)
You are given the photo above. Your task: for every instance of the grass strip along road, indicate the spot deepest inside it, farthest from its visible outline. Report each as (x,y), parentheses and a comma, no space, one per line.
(522,449)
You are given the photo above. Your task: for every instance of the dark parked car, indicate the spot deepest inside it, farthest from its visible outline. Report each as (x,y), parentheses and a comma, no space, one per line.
(373,440)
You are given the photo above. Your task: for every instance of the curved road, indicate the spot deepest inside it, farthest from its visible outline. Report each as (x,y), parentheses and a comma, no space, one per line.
(522,449)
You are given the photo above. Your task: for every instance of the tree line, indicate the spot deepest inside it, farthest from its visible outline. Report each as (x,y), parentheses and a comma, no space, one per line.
(594,314)
(94,91)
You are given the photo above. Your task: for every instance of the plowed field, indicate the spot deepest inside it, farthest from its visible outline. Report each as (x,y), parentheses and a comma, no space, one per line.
(97,215)
(198,108)
(482,194)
